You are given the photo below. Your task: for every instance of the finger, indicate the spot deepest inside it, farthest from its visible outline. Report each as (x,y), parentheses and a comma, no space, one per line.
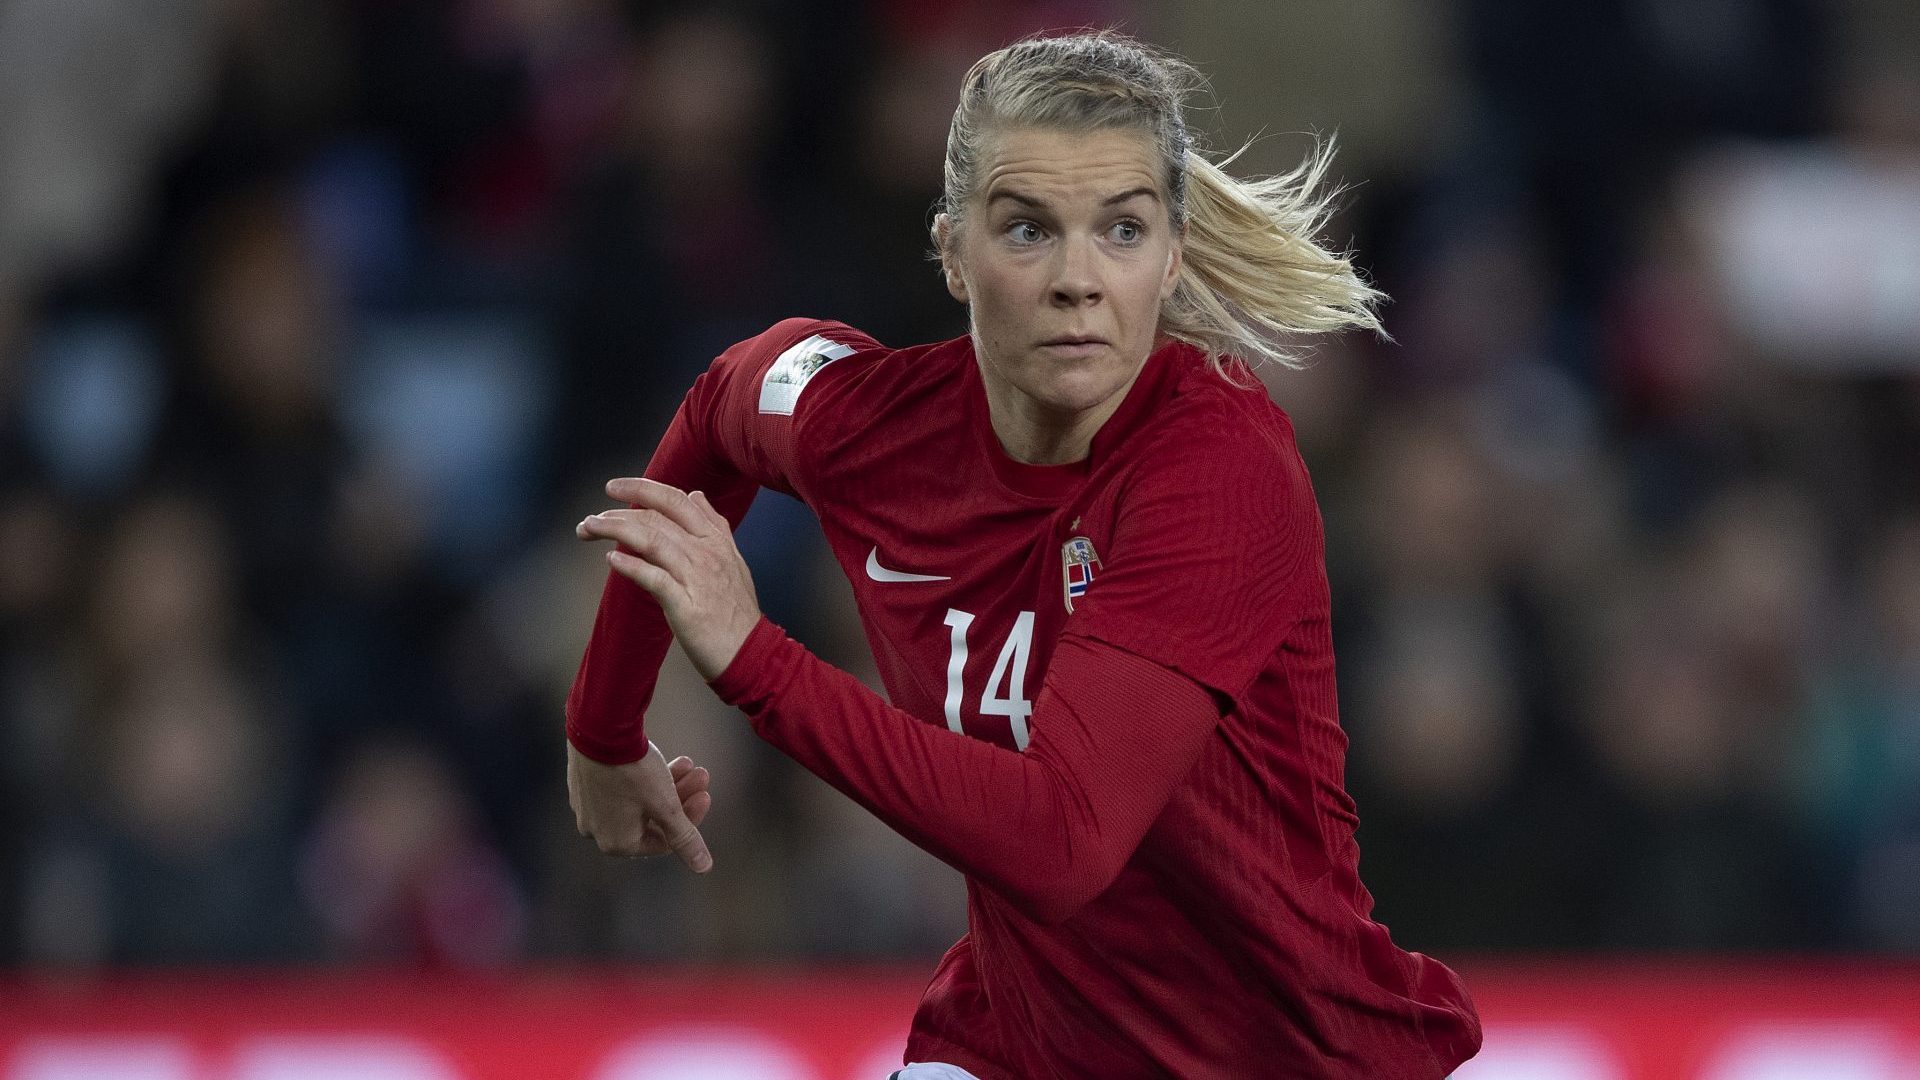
(680,766)
(697,807)
(685,786)
(663,498)
(648,535)
(651,535)
(616,521)
(653,839)
(623,487)
(713,516)
(658,583)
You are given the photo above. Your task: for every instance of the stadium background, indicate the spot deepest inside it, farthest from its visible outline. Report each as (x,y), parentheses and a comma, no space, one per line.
(321,322)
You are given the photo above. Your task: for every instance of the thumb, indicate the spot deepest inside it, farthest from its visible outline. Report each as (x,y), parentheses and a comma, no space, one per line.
(685,840)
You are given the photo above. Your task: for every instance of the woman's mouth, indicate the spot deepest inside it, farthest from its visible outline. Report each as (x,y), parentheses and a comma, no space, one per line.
(1074,345)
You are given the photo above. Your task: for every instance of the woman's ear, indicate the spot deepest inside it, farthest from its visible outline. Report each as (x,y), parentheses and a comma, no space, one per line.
(1174,258)
(943,242)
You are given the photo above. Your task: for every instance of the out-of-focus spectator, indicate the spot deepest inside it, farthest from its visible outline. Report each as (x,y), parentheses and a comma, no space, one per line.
(175,853)
(398,871)
(866,227)
(40,688)
(257,391)
(1697,700)
(1861,753)
(677,243)
(320,323)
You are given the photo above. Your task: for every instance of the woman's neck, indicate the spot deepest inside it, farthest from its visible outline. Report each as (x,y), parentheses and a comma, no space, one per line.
(1031,432)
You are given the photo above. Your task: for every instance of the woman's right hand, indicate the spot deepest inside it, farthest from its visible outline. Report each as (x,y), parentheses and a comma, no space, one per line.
(645,807)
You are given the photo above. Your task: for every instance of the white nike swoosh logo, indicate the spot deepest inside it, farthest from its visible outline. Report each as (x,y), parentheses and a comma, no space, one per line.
(881,573)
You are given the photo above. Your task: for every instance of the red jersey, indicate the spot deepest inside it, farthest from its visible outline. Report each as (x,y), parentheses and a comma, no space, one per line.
(1152,891)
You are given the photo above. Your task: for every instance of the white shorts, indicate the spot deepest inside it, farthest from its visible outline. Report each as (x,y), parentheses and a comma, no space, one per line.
(931,1070)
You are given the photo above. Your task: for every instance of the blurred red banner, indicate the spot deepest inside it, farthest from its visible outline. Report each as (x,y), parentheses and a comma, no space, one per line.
(1545,1020)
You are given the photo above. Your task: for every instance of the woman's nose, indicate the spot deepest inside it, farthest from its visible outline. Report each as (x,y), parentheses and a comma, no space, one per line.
(1076,275)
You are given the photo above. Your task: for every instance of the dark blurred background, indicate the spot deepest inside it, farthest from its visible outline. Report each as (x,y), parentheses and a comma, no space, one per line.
(322,322)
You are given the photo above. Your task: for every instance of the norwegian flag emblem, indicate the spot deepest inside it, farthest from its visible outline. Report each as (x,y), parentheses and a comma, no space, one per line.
(1078,564)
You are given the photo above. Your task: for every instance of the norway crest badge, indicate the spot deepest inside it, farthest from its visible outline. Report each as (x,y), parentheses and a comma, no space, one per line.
(1078,564)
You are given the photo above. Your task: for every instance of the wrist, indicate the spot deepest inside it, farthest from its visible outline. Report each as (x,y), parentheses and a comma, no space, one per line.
(602,751)
(752,666)
(714,657)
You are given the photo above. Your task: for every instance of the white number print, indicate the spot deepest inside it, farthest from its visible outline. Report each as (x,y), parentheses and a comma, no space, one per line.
(1011,665)
(956,665)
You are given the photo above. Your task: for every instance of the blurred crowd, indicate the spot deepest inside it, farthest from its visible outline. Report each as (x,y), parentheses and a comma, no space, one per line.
(322,322)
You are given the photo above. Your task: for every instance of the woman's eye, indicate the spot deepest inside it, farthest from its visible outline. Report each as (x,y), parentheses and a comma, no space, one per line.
(1024,232)
(1127,232)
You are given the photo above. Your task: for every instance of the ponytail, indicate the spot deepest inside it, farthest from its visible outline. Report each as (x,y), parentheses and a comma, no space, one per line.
(1253,272)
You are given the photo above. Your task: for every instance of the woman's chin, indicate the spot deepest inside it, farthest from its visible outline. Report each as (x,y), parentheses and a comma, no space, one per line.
(1062,388)
(1078,392)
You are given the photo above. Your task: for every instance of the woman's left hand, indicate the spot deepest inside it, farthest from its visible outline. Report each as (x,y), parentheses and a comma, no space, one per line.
(678,548)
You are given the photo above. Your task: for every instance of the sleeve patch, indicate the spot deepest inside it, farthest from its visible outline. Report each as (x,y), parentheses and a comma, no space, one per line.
(780,388)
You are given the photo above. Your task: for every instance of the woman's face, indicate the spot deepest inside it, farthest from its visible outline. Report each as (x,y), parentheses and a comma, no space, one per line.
(1064,256)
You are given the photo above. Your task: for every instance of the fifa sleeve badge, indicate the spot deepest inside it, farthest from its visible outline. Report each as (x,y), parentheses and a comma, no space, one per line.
(780,389)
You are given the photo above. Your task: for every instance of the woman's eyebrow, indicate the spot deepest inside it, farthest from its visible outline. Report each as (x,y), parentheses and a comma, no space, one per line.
(1111,200)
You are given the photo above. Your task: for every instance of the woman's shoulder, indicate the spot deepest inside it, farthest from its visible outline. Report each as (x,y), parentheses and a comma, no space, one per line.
(801,334)
(794,354)
(787,334)
(1223,421)
(839,383)
(1217,449)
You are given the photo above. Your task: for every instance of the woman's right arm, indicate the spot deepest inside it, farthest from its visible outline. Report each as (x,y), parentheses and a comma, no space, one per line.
(732,435)
(607,705)
(623,795)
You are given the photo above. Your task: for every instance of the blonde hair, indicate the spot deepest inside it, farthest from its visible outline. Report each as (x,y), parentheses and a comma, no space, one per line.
(1253,272)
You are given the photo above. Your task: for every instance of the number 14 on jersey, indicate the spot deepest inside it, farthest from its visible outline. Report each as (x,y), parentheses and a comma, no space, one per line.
(1010,669)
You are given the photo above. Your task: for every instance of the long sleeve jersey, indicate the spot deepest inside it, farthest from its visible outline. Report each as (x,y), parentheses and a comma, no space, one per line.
(1113,710)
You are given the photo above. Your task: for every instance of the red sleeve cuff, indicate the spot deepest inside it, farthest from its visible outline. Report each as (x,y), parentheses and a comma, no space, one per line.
(759,669)
(603,751)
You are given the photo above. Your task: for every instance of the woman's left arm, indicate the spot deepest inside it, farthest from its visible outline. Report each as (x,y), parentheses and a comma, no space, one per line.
(1114,735)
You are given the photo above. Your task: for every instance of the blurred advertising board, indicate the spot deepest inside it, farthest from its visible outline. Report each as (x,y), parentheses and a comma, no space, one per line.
(1545,1020)
(1815,250)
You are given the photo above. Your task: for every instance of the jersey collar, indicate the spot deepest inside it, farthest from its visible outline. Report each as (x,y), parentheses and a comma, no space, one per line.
(1159,378)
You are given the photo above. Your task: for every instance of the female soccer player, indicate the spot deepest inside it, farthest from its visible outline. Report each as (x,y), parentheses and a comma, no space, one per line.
(1090,565)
